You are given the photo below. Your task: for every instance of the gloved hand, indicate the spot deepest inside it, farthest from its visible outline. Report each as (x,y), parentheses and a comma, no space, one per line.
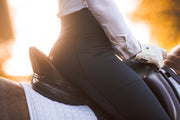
(152,54)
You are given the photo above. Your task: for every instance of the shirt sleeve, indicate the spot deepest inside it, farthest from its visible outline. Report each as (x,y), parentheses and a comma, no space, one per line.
(108,15)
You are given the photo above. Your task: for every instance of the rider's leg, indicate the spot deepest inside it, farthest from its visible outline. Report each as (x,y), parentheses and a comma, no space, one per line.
(84,55)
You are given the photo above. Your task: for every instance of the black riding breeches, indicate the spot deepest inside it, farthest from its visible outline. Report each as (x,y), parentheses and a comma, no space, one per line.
(83,54)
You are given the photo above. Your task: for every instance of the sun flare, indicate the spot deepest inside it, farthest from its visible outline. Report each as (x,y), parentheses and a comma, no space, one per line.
(36,25)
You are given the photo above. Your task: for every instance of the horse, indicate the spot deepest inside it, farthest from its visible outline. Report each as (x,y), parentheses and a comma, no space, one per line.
(15,105)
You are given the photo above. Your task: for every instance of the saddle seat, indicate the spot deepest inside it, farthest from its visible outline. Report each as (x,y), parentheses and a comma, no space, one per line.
(50,83)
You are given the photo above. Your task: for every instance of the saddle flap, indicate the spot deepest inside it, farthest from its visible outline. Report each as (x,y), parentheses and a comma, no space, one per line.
(164,92)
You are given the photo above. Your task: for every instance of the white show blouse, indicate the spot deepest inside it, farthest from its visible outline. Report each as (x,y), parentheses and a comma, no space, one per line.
(110,19)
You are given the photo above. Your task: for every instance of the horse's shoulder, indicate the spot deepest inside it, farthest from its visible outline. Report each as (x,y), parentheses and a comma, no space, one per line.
(12,101)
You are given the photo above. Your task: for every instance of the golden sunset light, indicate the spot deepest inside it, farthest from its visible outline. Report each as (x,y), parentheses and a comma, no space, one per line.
(89,59)
(36,24)
(140,29)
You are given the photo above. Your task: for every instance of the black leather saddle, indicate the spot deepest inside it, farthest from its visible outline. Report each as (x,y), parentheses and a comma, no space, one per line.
(50,83)
(162,83)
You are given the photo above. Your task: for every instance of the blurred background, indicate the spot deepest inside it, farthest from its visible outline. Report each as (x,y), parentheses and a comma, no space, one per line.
(25,23)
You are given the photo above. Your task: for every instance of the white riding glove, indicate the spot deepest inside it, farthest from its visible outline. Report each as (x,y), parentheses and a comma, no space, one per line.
(152,54)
